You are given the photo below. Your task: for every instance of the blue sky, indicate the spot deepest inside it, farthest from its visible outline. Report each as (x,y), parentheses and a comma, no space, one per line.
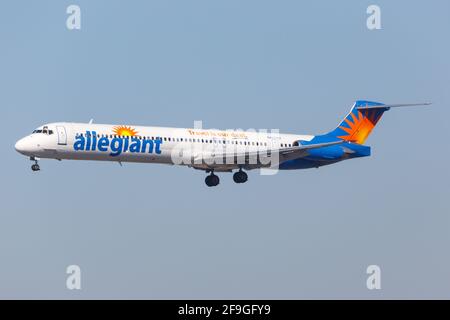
(154,231)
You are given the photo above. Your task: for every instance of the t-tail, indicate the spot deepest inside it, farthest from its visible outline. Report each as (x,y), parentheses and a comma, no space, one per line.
(361,120)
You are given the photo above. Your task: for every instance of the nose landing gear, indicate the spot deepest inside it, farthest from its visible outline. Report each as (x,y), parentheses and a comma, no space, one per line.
(35,166)
(240,176)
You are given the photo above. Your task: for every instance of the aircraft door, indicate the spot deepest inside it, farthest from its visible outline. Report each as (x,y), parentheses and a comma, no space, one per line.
(62,135)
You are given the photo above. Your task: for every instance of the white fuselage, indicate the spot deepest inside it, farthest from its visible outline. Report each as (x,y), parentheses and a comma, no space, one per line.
(81,141)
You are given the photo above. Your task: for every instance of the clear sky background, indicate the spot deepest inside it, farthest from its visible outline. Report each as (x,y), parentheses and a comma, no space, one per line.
(155,231)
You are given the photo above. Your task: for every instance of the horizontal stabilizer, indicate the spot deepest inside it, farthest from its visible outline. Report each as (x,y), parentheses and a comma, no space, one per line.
(388,106)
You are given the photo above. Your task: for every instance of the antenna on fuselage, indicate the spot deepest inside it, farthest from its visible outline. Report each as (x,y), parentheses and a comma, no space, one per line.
(90,121)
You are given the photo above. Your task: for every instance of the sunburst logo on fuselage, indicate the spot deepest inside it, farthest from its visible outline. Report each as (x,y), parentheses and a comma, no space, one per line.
(125,131)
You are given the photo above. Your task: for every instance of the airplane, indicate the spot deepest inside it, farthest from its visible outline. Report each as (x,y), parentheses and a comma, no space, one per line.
(207,149)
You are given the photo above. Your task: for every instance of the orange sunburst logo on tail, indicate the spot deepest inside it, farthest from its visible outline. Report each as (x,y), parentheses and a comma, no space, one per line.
(125,131)
(360,125)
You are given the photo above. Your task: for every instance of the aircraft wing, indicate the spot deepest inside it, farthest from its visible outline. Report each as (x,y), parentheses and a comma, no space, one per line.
(302,150)
(255,159)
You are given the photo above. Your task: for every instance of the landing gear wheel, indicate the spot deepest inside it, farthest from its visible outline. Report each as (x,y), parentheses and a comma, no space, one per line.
(212,180)
(35,166)
(240,177)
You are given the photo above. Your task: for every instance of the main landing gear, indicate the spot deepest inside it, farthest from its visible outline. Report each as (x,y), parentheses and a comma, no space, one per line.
(212,180)
(35,166)
(240,176)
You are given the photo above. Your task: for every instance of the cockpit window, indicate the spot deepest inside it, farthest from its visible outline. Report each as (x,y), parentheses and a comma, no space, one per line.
(44,131)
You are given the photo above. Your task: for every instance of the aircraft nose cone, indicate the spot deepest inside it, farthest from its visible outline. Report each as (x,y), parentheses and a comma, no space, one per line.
(22,146)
